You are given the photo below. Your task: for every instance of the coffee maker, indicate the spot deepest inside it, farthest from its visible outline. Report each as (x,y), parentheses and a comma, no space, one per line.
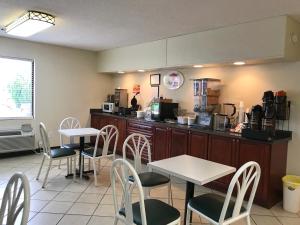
(269,113)
(120,99)
(256,117)
(264,120)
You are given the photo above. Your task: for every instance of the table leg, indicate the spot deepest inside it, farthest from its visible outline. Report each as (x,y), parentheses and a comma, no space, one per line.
(84,173)
(188,195)
(81,142)
(80,160)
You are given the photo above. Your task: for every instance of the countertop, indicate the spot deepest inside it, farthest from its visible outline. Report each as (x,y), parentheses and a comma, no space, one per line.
(185,127)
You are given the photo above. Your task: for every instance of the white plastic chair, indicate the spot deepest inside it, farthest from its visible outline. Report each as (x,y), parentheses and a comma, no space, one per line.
(16,200)
(109,134)
(224,210)
(144,211)
(137,145)
(55,154)
(68,123)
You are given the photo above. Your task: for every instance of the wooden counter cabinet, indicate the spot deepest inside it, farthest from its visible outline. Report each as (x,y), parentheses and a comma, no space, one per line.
(178,142)
(236,152)
(222,150)
(146,129)
(99,121)
(170,140)
(198,143)
(161,143)
(272,160)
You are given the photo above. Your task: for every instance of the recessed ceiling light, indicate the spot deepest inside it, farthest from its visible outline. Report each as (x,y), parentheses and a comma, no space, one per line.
(121,72)
(30,23)
(141,71)
(239,63)
(197,66)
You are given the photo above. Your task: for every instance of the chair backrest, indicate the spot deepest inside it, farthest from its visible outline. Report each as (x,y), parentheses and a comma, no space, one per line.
(68,123)
(107,134)
(120,172)
(45,139)
(16,200)
(249,175)
(137,144)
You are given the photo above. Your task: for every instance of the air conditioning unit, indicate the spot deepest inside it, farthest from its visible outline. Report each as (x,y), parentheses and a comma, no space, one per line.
(16,140)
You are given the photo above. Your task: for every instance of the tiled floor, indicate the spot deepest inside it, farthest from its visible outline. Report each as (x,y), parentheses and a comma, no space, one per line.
(64,202)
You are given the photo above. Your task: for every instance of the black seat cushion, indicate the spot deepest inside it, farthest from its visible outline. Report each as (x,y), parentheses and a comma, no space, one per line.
(75,146)
(151,179)
(211,205)
(90,152)
(62,152)
(157,212)
(72,146)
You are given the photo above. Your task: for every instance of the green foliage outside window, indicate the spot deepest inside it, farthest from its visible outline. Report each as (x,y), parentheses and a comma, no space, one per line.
(20,90)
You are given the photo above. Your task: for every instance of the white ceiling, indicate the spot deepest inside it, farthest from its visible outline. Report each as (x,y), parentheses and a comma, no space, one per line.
(104,24)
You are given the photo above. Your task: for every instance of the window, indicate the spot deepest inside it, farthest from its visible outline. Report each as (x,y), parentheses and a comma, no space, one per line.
(16,88)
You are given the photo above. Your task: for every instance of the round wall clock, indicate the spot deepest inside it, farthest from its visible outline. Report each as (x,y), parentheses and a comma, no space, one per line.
(173,80)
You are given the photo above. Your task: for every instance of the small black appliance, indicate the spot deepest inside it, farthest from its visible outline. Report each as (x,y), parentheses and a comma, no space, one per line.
(163,110)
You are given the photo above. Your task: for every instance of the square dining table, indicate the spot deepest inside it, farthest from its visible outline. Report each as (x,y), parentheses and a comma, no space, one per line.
(81,133)
(193,170)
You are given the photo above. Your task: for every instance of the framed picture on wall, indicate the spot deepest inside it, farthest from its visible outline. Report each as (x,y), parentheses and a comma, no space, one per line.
(155,80)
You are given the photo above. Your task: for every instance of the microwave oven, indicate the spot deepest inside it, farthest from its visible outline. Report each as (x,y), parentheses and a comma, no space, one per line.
(108,107)
(163,110)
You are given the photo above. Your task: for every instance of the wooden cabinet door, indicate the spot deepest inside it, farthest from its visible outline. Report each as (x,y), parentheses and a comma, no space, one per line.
(141,127)
(260,153)
(222,150)
(161,143)
(122,135)
(121,125)
(96,122)
(198,145)
(99,121)
(113,121)
(178,142)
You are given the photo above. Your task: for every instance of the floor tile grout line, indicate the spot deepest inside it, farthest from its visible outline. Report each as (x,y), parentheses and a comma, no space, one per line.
(76,201)
(83,192)
(278,220)
(53,199)
(277,214)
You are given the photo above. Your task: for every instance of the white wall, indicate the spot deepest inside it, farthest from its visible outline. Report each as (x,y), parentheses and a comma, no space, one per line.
(245,83)
(66,83)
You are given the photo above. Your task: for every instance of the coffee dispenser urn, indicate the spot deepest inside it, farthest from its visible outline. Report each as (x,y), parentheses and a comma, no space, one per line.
(265,119)
(256,117)
(269,113)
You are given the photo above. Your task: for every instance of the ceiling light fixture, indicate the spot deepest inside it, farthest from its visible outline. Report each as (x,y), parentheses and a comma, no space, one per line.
(121,72)
(239,63)
(197,66)
(141,71)
(30,23)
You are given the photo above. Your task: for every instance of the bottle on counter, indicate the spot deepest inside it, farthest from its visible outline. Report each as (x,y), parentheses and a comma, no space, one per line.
(241,114)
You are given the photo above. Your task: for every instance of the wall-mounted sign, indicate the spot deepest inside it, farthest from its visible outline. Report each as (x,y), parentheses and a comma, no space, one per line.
(155,80)
(173,80)
(136,88)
